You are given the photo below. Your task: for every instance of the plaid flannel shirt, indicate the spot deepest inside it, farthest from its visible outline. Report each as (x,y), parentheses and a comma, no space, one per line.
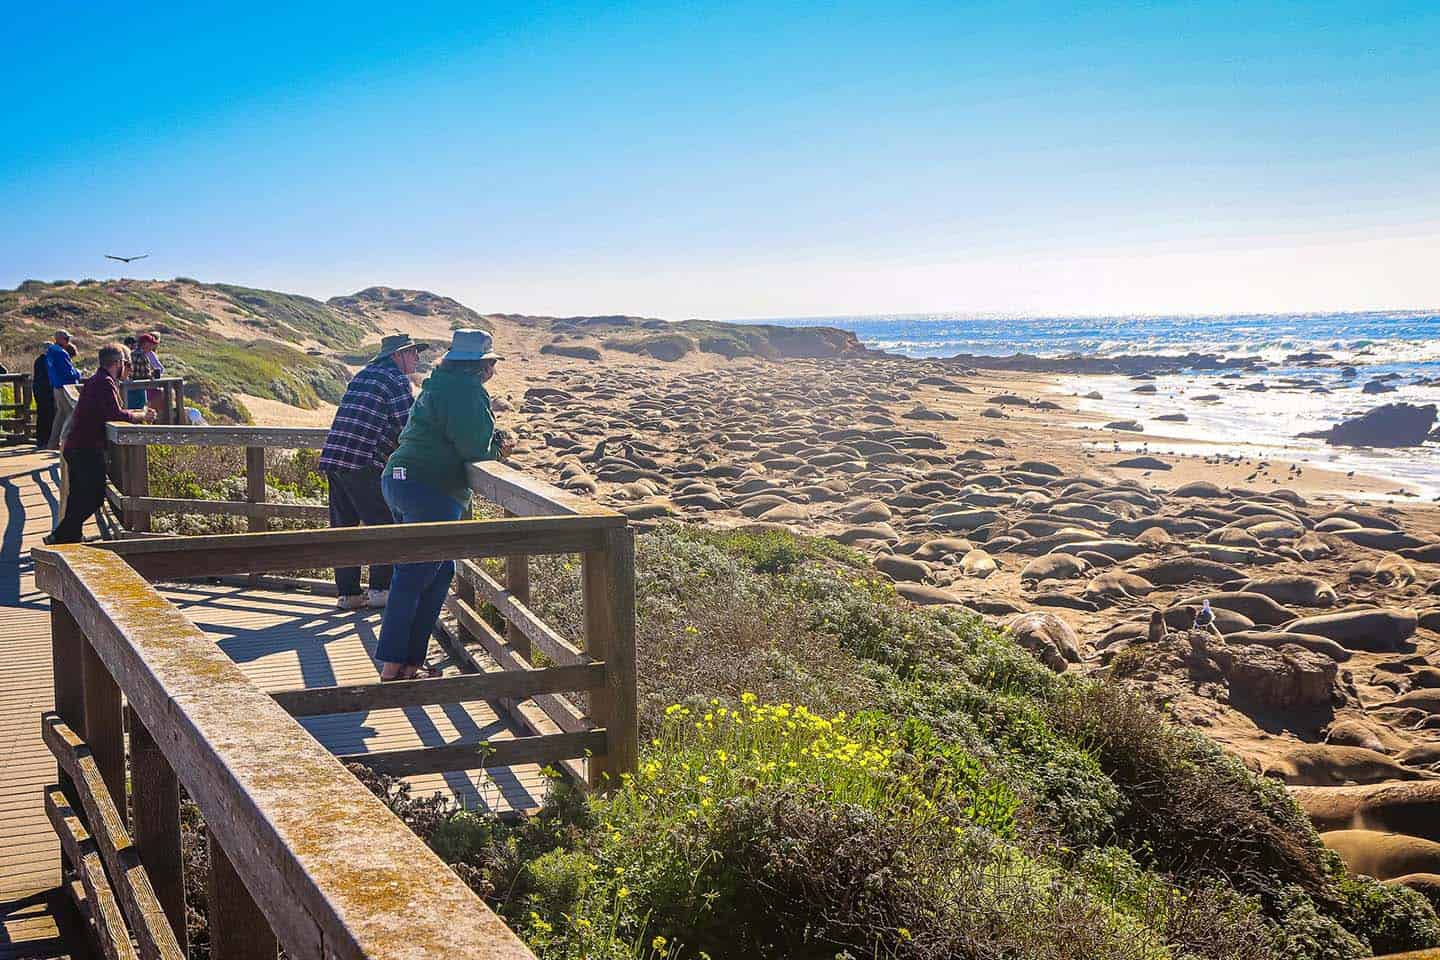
(372,413)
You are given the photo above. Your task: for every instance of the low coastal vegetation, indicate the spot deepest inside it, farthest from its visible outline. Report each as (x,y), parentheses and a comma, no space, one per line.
(223,338)
(831,772)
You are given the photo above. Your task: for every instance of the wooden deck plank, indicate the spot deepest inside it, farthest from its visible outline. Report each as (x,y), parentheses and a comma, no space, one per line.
(280,640)
(30,866)
(286,640)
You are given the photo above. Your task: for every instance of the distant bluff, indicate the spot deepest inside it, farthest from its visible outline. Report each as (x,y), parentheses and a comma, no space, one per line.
(228,339)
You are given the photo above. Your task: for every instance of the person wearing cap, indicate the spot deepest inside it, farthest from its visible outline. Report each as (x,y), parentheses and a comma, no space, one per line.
(62,373)
(366,430)
(424,481)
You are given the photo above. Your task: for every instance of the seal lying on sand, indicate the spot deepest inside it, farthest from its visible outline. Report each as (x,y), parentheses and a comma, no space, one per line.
(1299,590)
(1328,765)
(1383,855)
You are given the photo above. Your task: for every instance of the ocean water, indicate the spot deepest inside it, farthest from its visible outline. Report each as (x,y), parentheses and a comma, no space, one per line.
(1372,337)
(1299,397)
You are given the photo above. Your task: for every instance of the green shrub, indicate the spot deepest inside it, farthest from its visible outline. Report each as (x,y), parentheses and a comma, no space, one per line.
(941,794)
(462,838)
(558,879)
(1304,933)
(1391,919)
(1191,809)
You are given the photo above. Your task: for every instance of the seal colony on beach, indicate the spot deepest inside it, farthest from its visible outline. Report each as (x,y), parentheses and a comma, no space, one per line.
(1319,664)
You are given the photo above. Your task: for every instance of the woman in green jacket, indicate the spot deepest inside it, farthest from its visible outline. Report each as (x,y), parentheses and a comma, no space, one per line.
(424,480)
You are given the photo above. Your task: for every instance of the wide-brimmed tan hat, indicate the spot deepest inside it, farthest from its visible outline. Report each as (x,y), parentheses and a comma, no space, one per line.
(396,342)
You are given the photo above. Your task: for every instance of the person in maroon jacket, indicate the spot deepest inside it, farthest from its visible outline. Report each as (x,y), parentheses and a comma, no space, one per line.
(84,449)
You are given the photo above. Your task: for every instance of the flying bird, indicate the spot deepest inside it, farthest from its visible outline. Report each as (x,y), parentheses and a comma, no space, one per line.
(111,256)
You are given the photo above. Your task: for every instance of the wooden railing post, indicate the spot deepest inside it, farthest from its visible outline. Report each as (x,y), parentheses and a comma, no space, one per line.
(67,654)
(255,484)
(27,397)
(517,581)
(135,482)
(104,723)
(609,586)
(238,930)
(156,812)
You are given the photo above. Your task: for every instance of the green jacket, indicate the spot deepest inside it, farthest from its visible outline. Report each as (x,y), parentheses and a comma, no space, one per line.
(450,425)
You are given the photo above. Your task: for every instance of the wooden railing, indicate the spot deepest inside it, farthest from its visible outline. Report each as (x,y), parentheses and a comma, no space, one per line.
(300,855)
(171,406)
(605,668)
(129,492)
(15,408)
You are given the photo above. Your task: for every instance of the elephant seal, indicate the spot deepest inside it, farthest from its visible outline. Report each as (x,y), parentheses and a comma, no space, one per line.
(1411,807)
(1278,639)
(977,563)
(1331,765)
(1300,590)
(1117,585)
(1258,607)
(1187,570)
(1383,856)
(1050,639)
(1379,631)
(1054,566)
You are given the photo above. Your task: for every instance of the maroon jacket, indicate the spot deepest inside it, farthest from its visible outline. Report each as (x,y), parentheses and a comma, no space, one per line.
(99,403)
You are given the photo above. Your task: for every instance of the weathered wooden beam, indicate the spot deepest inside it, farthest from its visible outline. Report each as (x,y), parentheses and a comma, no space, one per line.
(238,930)
(179,557)
(130,882)
(333,870)
(104,727)
(255,486)
(290,438)
(67,646)
(79,848)
(474,756)
(608,578)
(527,496)
(517,584)
(236,508)
(557,709)
(317,701)
(135,474)
(155,808)
(540,634)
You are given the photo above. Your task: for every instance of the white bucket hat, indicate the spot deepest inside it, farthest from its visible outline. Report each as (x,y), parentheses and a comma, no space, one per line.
(472,345)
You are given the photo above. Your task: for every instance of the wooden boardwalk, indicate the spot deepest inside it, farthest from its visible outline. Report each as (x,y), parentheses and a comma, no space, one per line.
(29,851)
(282,640)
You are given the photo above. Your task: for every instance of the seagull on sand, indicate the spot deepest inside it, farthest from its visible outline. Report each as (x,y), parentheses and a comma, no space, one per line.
(111,256)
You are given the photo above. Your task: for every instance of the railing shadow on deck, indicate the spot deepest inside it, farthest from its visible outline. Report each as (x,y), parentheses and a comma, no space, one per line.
(15,561)
(299,851)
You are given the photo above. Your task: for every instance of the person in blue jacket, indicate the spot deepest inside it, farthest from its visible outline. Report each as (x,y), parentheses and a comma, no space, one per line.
(62,374)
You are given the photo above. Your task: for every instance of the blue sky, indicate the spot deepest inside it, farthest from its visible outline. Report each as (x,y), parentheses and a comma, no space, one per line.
(737,160)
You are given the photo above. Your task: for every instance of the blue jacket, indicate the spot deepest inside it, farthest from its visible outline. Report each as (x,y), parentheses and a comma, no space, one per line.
(62,370)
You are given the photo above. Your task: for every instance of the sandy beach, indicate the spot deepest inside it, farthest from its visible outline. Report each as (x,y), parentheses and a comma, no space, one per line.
(1019,497)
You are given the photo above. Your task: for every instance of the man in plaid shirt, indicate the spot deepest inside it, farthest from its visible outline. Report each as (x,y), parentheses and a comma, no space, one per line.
(366,431)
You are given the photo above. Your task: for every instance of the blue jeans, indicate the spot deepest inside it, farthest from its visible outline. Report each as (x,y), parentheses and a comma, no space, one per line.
(417,590)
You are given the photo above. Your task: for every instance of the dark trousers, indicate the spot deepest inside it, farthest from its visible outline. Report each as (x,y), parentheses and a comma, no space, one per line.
(355,500)
(87,492)
(44,416)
